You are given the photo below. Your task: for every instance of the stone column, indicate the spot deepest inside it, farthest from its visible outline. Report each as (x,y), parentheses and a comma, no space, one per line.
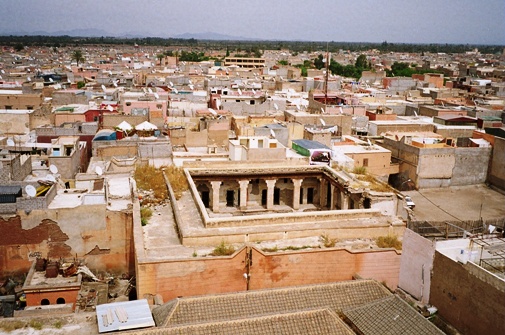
(332,197)
(345,200)
(243,193)
(296,192)
(323,191)
(270,192)
(215,195)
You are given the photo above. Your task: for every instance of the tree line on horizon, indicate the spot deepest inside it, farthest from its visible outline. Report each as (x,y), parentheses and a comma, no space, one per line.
(19,42)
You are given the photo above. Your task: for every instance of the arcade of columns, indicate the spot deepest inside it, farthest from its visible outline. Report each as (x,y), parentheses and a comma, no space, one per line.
(339,197)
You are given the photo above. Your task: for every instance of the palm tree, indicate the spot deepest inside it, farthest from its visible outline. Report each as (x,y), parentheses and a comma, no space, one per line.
(78,57)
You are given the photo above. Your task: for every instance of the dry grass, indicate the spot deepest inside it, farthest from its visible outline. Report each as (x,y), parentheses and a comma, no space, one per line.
(11,325)
(177,180)
(359,170)
(151,179)
(327,241)
(389,241)
(375,185)
(223,249)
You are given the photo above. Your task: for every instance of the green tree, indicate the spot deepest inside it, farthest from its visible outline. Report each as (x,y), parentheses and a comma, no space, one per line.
(18,47)
(80,84)
(77,56)
(318,62)
(361,62)
(160,57)
(283,62)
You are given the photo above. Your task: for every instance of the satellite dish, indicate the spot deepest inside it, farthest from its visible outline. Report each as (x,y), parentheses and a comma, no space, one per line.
(10,142)
(53,168)
(115,83)
(191,86)
(171,84)
(276,107)
(175,91)
(51,178)
(369,143)
(109,107)
(189,81)
(322,110)
(272,133)
(30,190)
(156,95)
(51,80)
(322,122)
(213,112)
(254,92)
(239,92)
(98,171)
(28,78)
(150,91)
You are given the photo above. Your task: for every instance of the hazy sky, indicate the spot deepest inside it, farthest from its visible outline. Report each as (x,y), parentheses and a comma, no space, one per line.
(409,21)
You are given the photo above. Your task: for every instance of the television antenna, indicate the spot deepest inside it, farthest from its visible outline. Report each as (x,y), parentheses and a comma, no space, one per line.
(53,168)
(31,191)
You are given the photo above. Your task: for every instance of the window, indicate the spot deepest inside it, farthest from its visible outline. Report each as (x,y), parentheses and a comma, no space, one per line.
(128,104)
(365,161)
(60,301)
(44,302)
(8,107)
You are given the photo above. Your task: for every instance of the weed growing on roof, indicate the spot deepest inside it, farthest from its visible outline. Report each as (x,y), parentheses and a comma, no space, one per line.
(223,249)
(327,241)
(145,215)
(10,325)
(389,241)
(35,324)
(177,179)
(149,178)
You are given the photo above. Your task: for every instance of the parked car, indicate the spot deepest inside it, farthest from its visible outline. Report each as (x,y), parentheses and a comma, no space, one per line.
(408,201)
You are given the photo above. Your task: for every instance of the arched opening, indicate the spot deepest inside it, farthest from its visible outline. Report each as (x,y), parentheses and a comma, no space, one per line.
(60,301)
(44,302)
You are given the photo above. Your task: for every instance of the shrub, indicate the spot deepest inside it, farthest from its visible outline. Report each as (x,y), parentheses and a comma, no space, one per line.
(145,215)
(223,249)
(389,241)
(327,241)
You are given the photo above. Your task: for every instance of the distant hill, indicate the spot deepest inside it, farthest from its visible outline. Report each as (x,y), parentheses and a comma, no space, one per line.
(213,36)
(99,33)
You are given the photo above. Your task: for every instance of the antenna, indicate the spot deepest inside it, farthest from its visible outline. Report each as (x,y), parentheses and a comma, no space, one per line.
(30,190)
(98,170)
(191,86)
(171,84)
(322,122)
(53,168)
(156,95)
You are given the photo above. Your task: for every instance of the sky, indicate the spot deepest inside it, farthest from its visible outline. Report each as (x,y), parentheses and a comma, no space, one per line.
(394,21)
